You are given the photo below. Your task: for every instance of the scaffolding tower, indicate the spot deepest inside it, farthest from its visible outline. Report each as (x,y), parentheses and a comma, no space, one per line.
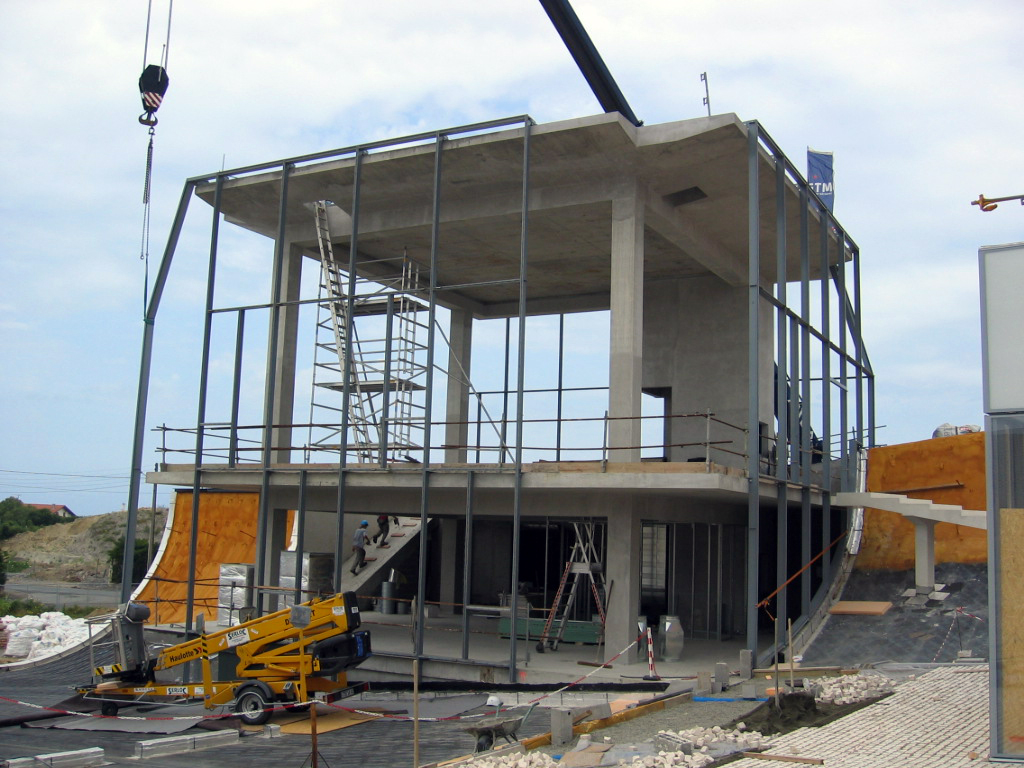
(371,329)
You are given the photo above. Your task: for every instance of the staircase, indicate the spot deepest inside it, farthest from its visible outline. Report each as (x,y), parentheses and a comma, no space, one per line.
(924,515)
(379,559)
(919,508)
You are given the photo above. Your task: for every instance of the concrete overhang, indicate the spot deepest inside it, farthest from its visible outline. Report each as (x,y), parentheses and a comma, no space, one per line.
(692,175)
(399,489)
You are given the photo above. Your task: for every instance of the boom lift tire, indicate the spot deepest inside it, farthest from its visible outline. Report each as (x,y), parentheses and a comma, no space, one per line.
(108,709)
(252,707)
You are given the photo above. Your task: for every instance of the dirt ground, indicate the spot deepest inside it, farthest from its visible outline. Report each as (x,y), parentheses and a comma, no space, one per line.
(75,552)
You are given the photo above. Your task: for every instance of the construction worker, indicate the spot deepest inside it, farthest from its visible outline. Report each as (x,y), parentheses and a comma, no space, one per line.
(359,547)
(383,528)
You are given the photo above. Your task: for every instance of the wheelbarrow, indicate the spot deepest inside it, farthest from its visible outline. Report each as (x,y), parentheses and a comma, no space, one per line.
(490,728)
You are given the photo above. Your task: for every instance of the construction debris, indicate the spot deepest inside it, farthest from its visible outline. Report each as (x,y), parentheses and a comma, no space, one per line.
(709,743)
(849,689)
(515,760)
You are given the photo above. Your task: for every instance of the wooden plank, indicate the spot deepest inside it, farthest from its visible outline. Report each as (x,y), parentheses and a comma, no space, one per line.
(784,758)
(860,608)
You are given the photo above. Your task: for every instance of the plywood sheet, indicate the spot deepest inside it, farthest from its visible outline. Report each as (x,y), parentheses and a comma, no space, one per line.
(332,721)
(861,608)
(1011,620)
(227,534)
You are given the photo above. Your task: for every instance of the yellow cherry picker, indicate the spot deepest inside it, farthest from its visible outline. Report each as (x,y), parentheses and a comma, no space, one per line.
(287,658)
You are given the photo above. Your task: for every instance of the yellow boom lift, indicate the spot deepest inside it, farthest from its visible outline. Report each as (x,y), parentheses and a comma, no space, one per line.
(285,658)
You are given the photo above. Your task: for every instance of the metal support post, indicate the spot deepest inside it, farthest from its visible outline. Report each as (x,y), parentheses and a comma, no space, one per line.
(517,500)
(204,373)
(269,394)
(142,400)
(753,365)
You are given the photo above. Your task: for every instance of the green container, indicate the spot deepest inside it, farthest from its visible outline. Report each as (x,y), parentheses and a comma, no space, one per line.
(575,631)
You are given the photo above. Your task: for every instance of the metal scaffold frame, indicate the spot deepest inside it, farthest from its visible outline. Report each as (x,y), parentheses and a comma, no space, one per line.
(385,412)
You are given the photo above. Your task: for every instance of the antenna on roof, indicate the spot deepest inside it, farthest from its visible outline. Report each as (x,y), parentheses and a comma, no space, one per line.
(707,93)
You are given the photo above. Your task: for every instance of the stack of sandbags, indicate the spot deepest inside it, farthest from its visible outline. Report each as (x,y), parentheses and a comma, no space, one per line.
(33,637)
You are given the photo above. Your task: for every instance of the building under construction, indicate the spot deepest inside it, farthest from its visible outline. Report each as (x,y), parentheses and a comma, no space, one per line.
(596,360)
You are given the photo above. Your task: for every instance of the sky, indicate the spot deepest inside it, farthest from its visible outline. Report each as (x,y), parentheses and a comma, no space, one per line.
(921,102)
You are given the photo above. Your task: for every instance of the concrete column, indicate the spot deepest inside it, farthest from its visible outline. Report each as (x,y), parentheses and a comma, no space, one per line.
(622,579)
(451,584)
(924,554)
(287,340)
(627,324)
(456,432)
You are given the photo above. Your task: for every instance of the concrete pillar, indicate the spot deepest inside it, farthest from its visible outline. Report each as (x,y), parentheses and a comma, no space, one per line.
(924,554)
(622,579)
(451,584)
(627,324)
(456,432)
(287,340)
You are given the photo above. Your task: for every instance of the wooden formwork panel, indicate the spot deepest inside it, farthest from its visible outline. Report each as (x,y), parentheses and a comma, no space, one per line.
(226,534)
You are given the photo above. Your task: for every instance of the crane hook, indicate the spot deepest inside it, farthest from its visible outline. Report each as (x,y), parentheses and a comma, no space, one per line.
(152,86)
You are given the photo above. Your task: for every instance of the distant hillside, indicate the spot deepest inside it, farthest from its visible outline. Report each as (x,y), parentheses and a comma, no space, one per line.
(77,551)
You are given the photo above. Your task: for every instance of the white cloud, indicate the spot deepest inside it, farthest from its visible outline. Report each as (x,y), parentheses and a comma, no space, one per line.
(920,102)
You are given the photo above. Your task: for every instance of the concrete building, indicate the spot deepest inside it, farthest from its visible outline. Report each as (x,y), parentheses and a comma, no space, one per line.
(422,351)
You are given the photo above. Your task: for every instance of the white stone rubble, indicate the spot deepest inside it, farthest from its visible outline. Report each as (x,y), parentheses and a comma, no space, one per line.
(738,739)
(34,637)
(529,760)
(849,689)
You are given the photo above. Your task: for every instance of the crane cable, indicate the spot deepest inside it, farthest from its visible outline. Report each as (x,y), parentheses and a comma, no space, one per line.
(152,86)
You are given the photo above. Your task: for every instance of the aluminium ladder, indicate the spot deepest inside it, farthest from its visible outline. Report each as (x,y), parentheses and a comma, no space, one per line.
(384,411)
(583,562)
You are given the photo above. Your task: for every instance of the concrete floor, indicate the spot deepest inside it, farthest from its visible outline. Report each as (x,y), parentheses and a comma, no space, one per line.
(23,691)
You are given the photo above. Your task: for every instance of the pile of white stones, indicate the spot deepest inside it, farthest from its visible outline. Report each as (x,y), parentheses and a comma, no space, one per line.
(672,760)
(700,740)
(849,689)
(520,760)
(33,637)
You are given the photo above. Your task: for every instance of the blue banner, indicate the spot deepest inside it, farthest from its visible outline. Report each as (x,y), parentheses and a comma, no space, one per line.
(819,176)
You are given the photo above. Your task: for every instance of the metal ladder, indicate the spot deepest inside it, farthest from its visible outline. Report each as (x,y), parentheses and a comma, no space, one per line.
(331,282)
(385,408)
(583,561)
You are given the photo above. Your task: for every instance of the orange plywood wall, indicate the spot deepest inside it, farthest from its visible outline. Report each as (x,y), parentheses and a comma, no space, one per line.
(945,470)
(227,534)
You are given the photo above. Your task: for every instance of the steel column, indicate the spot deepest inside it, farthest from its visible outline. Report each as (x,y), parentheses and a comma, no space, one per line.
(517,499)
(236,388)
(435,233)
(753,364)
(204,373)
(269,394)
(142,398)
(300,542)
(786,408)
(805,400)
(346,393)
(385,400)
(826,396)
(467,559)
